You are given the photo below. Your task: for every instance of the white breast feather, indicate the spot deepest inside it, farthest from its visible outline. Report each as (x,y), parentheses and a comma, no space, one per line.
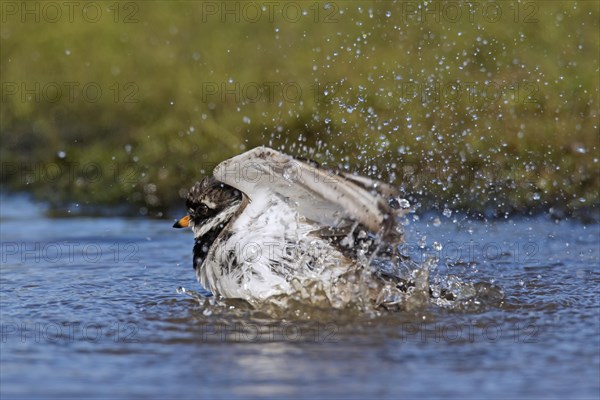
(271,245)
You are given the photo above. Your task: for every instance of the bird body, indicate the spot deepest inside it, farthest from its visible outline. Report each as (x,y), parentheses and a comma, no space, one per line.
(267,226)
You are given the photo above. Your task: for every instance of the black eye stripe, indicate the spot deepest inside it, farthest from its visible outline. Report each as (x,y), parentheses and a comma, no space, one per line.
(202,210)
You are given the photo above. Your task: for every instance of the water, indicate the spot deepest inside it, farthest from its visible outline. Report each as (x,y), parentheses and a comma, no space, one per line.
(90,308)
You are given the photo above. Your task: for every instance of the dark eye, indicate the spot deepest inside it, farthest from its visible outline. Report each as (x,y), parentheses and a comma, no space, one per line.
(204,208)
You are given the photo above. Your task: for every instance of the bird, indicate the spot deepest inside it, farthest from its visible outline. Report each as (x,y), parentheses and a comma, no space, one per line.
(269,227)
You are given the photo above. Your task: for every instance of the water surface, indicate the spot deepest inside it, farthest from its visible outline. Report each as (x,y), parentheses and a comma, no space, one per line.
(89,307)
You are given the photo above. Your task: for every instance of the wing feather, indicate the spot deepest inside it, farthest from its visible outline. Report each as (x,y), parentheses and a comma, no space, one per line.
(329,197)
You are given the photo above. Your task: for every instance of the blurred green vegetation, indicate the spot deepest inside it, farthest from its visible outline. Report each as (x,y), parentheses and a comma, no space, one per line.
(488,107)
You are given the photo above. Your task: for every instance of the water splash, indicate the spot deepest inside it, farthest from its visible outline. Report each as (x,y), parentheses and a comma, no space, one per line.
(387,286)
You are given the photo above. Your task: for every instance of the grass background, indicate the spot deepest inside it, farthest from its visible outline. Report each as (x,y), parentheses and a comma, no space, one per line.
(489,107)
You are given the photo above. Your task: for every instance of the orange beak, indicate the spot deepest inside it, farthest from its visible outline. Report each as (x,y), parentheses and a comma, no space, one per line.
(183,222)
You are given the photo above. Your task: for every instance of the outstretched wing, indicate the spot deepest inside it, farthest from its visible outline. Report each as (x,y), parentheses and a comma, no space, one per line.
(331,198)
